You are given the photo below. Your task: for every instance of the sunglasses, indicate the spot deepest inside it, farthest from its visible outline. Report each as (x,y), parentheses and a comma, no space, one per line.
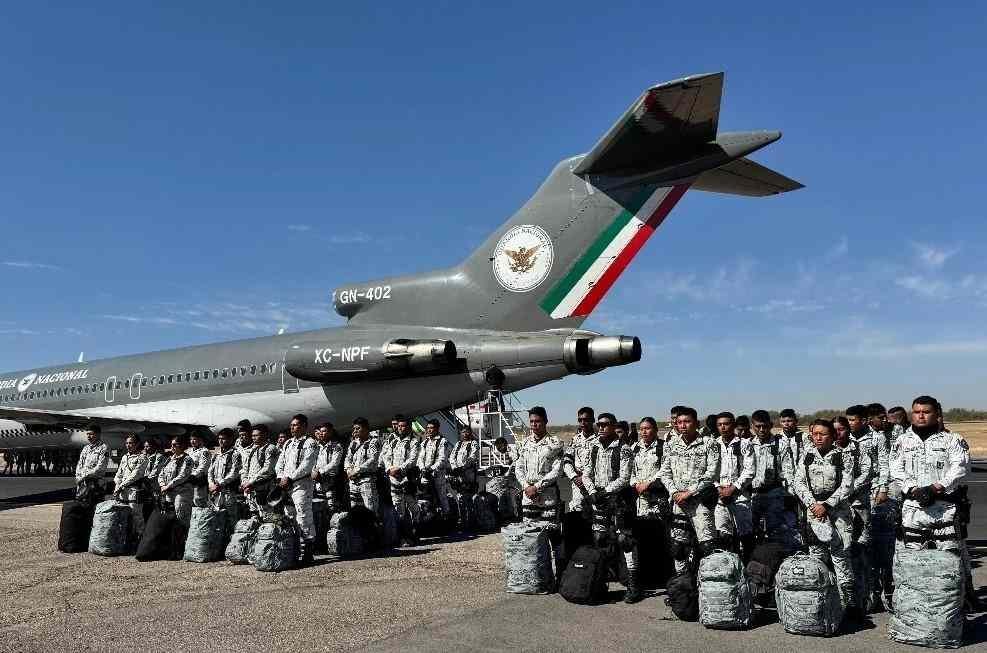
(584,419)
(604,424)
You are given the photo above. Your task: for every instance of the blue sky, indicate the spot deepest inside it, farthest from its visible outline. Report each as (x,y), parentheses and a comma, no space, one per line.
(199,172)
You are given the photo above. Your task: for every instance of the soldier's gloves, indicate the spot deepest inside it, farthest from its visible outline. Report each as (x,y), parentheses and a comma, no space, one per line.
(599,498)
(924,495)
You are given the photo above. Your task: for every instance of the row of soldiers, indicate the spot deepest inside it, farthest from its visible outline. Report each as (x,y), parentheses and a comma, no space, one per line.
(850,490)
(318,475)
(44,461)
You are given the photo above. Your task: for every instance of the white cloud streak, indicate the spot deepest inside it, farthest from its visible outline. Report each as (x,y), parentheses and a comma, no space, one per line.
(30,265)
(299,227)
(933,257)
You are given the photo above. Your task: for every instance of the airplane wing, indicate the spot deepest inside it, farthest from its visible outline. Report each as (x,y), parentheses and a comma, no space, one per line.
(745,177)
(81,421)
(666,118)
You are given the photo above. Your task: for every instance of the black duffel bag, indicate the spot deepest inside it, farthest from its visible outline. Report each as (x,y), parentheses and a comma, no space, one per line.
(584,580)
(74,527)
(163,537)
(683,597)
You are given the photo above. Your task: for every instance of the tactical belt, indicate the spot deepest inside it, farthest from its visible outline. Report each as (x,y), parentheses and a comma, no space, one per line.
(823,496)
(922,535)
(549,513)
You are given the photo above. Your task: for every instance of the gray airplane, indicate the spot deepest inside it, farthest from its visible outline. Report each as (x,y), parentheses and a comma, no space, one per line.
(507,317)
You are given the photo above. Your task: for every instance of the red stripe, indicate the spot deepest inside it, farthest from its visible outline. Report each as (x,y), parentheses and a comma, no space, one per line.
(622,260)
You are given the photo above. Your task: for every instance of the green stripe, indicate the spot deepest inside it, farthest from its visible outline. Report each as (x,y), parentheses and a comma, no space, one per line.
(583,263)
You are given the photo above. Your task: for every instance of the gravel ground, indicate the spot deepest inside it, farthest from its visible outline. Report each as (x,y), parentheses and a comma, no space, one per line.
(439,597)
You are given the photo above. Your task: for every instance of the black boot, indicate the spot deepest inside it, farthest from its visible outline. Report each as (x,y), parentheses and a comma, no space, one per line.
(633,593)
(307,553)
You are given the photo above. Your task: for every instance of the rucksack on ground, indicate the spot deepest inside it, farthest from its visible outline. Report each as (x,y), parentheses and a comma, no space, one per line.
(206,532)
(390,536)
(160,538)
(485,512)
(765,560)
(242,541)
(275,546)
(527,559)
(584,580)
(346,537)
(929,587)
(807,596)
(74,527)
(725,599)
(111,533)
(682,596)
(503,487)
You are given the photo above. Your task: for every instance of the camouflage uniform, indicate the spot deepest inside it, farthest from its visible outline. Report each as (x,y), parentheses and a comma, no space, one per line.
(296,464)
(870,478)
(737,467)
(539,463)
(828,479)
(692,467)
(797,444)
(91,468)
(433,461)
(608,477)
(224,471)
(578,511)
(128,482)
(653,504)
(942,458)
(199,480)
(177,491)
(463,462)
(362,463)
(404,453)
(772,464)
(329,464)
(258,472)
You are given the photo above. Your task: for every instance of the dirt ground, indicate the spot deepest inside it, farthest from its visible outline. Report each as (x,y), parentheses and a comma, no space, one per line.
(975,434)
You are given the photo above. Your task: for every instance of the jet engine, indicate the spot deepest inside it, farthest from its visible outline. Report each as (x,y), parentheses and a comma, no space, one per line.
(355,358)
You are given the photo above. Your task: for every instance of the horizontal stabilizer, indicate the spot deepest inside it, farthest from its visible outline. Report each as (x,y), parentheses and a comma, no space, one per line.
(745,177)
(665,122)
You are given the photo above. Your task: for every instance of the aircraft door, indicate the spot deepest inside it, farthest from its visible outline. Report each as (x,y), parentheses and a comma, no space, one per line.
(135,386)
(111,389)
(288,383)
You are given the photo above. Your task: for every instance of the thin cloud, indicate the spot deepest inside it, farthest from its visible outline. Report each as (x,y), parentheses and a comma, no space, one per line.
(19,332)
(839,250)
(135,319)
(351,239)
(924,286)
(299,227)
(30,265)
(724,284)
(933,257)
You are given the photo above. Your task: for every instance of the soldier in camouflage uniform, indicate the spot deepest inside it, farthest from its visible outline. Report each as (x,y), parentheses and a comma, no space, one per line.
(401,465)
(434,461)
(732,514)
(258,471)
(823,480)
(862,473)
(91,468)
(690,468)
(538,465)
(886,509)
(329,484)
(173,481)
(464,459)
(156,460)
(577,514)
(772,464)
(201,459)
(224,479)
(607,477)
(931,465)
(129,481)
(361,465)
(651,505)
(798,443)
(870,490)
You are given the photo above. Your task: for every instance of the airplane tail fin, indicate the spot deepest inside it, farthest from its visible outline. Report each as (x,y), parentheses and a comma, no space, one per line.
(553,261)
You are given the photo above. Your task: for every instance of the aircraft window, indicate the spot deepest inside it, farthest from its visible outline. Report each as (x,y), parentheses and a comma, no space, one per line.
(215,374)
(232,371)
(126,384)
(178,378)
(80,387)
(31,396)
(196,376)
(154,381)
(102,387)
(263,369)
(188,377)
(253,369)
(143,381)
(225,372)
(243,371)
(161,379)
(119,385)
(171,378)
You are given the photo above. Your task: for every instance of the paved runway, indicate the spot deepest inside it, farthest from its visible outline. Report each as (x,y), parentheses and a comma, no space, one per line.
(440,597)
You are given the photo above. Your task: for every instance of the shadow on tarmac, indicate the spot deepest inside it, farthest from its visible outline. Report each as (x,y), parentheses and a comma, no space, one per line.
(52,496)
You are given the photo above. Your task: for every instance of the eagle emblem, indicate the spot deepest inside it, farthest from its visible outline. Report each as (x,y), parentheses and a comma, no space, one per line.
(522,259)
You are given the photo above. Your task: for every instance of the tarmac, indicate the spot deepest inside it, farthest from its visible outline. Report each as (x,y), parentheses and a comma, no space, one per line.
(442,596)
